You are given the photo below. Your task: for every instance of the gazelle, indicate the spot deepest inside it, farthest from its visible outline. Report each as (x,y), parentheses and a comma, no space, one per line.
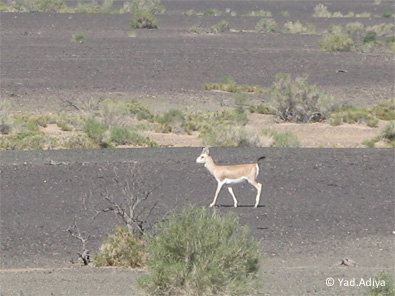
(231,174)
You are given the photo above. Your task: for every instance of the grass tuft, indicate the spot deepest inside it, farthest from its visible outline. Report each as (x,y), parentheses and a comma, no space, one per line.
(121,249)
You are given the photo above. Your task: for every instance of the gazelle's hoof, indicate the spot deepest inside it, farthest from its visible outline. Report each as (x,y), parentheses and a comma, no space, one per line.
(255,206)
(211,205)
(235,205)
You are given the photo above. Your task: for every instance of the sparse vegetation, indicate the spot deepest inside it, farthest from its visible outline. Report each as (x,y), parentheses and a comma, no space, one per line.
(121,249)
(351,114)
(321,10)
(385,110)
(284,13)
(201,252)
(387,13)
(151,6)
(388,289)
(298,101)
(229,84)
(266,25)
(59,6)
(212,12)
(78,37)
(298,28)
(225,135)
(286,139)
(143,20)
(197,30)
(370,38)
(383,29)
(220,27)
(95,130)
(260,109)
(129,136)
(336,42)
(263,13)
(355,28)
(36,6)
(388,133)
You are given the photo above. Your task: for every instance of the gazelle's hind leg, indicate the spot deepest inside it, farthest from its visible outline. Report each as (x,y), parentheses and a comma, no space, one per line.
(233,195)
(258,187)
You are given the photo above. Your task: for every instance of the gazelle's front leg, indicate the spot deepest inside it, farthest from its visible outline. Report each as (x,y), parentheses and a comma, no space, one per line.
(219,186)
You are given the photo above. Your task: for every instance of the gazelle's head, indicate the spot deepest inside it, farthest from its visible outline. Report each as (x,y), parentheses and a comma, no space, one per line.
(203,156)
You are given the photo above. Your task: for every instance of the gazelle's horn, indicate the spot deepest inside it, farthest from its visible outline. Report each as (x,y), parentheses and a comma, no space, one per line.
(206,149)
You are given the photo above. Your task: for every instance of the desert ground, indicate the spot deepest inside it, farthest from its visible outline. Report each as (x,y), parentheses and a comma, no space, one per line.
(318,205)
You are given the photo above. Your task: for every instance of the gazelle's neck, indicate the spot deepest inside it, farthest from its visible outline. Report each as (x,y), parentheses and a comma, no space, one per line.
(210,165)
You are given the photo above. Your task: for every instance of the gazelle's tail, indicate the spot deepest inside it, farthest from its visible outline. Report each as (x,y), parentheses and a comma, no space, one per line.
(260,158)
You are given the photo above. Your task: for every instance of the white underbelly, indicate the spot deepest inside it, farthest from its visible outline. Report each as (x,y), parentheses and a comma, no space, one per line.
(235,181)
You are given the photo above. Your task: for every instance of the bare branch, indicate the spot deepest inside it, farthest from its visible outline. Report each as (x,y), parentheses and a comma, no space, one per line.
(75,232)
(129,207)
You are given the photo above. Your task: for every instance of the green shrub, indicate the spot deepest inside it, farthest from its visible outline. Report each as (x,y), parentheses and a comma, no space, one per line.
(286,139)
(298,28)
(229,84)
(388,133)
(225,135)
(4,7)
(388,289)
(212,12)
(121,135)
(382,29)
(38,5)
(370,37)
(127,136)
(263,13)
(87,7)
(197,30)
(4,111)
(141,112)
(121,249)
(266,25)
(337,42)
(354,28)
(320,10)
(335,29)
(385,110)
(95,129)
(113,112)
(220,27)
(172,120)
(78,37)
(284,13)
(143,20)
(387,13)
(26,141)
(78,141)
(260,109)
(151,6)
(351,114)
(241,99)
(298,101)
(201,253)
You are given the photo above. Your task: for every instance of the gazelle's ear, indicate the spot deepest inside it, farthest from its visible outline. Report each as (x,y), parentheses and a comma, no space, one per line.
(206,150)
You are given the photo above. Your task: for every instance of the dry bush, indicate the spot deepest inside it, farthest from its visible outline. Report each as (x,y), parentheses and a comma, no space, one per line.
(298,101)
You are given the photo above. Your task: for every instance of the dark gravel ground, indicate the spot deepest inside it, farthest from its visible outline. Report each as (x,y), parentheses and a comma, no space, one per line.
(40,64)
(317,204)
